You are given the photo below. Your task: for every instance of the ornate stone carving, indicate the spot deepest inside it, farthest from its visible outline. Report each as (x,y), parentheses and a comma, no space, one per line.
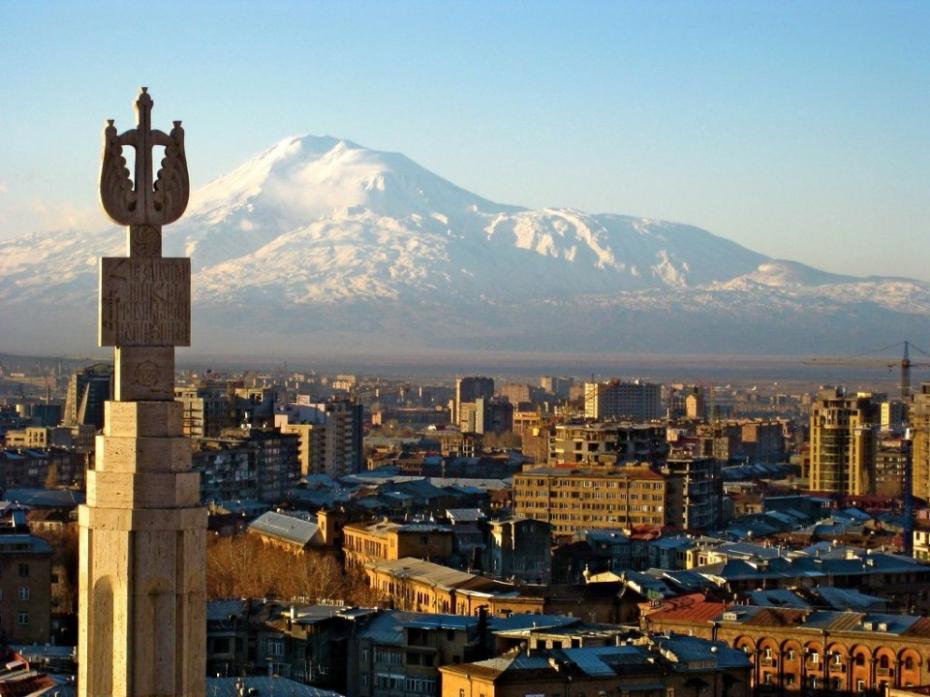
(144,241)
(138,200)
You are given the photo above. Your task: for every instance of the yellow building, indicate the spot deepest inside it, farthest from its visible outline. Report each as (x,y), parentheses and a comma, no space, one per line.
(29,437)
(574,499)
(387,540)
(663,667)
(422,586)
(843,439)
(919,422)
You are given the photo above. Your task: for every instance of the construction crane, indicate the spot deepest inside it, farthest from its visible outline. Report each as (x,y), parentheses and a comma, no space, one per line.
(905,365)
(862,361)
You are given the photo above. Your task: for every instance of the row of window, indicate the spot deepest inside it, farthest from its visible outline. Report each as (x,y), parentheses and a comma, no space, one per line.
(835,658)
(398,683)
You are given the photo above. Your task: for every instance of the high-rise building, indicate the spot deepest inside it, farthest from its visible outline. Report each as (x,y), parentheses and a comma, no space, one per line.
(330,435)
(607,443)
(894,413)
(469,389)
(207,410)
(486,416)
(919,423)
(694,493)
(88,389)
(843,440)
(247,464)
(583,499)
(695,406)
(616,399)
(890,459)
(516,393)
(556,386)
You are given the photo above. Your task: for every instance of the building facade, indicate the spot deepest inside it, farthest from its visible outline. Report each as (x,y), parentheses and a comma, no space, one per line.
(88,389)
(843,439)
(577,499)
(387,540)
(607,443)
(616,399)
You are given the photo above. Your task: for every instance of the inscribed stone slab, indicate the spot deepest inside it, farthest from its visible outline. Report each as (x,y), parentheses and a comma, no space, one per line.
(145,301)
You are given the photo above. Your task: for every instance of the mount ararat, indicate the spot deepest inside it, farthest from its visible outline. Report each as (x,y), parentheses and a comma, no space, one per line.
(320,246)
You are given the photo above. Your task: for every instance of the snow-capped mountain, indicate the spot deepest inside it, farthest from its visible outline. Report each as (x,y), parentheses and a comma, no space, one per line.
(321,240)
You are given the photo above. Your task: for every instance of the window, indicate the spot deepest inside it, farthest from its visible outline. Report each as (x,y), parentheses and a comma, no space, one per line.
(860,685)
(389,656)
(815,657)
(23,593)
(22,618)
(23,570)
(461,692)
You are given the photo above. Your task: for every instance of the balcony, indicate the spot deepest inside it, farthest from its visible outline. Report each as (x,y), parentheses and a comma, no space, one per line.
(884,672)
(768,662)
(837,668)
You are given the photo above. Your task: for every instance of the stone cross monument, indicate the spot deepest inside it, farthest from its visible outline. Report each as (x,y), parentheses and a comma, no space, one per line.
(142,630)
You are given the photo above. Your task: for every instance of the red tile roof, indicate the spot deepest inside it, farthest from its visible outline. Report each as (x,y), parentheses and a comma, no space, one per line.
(693,607)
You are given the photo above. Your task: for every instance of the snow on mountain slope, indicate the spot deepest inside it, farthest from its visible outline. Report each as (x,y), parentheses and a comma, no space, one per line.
(315,225)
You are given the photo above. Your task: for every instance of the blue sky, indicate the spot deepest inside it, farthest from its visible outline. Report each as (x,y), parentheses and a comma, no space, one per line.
(799,129)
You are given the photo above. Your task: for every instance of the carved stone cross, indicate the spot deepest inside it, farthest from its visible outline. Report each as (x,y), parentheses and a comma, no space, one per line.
(144,298)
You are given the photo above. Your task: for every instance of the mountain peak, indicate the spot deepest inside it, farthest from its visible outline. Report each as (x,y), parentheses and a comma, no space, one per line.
(318,234)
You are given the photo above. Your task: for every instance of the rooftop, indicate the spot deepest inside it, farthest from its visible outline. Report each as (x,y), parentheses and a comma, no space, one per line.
(286,528)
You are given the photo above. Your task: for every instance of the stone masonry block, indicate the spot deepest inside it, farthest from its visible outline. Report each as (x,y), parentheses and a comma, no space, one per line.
(143,490)
(119,454)
(143,419)
(144,373)
(192,520)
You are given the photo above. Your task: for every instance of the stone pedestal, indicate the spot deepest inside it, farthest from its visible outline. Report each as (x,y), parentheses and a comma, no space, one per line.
(142,541)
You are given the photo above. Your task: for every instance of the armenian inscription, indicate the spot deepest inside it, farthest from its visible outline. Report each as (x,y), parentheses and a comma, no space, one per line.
(145,301)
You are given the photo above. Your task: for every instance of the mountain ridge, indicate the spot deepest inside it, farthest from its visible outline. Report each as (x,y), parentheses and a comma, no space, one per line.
(337,237)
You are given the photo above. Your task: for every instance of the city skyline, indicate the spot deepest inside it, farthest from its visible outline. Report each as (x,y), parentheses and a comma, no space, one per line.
(786,129)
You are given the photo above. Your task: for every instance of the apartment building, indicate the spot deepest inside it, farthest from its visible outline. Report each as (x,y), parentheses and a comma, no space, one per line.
(571,499)
(843,439)
(617,399)
(607,443)
(694,493)
(919,422)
